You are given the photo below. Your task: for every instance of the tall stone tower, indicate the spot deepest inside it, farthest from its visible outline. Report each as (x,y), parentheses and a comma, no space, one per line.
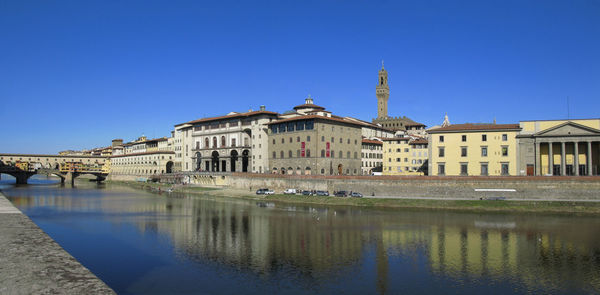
(383,93)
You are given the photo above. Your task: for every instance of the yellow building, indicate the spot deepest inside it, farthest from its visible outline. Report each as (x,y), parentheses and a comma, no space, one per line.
(573,144)
(405,156)
(474,149)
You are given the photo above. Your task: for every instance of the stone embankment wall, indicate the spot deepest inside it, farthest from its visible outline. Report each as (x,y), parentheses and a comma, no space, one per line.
(549,188)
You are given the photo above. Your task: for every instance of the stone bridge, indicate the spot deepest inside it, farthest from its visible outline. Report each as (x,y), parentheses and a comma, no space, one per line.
(69,176)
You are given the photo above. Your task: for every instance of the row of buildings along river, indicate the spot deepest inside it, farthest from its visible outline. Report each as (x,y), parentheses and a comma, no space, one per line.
(311,140)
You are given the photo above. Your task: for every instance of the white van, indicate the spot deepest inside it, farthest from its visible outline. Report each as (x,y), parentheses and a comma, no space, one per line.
(289,191)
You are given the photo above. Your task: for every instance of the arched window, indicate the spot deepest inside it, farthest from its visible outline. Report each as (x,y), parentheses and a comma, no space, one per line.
(214,142)
(348,155)
(290,153)
(222,141)
(322,171)
(322,153)
(333,154)
(298,139)
(275,156)
(281,153)
(233,142)
(206,143)
(307,153)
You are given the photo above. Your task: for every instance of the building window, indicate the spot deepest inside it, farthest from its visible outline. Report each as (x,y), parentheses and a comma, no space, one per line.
(464,138)
(332,154)
(322,171)
(441,138)
(298,139)
(233,142)
(441,169)
(484,151)
(484,169)
(348,155)
(214,142)
(222,141)
(441,152)
(282,140)
(273,140)
(504,168)
(504,137)
(483,137)
(291,140)
(281,154)
(463,151)
(464,169)
(289,154)
(341,154)
(322,153)
(308,138)
(307,153)
(504,151)
(322,138)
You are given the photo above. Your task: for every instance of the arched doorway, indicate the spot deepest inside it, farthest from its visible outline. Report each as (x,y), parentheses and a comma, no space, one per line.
(169,168)
(245,155)
(198,161)
(234,158)
(307,171)
(215,161)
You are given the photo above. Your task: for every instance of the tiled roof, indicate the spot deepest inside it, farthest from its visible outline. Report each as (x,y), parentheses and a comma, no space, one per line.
(371,141)
(418,141)
(141,154)
(395,138)
(475,127)
(237,115)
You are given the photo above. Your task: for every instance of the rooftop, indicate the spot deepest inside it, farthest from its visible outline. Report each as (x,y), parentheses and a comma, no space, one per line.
(476,127)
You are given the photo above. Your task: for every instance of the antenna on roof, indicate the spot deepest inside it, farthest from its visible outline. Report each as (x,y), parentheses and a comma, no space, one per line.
(568,109)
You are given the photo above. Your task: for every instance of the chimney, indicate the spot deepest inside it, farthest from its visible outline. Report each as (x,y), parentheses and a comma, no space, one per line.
(262,108)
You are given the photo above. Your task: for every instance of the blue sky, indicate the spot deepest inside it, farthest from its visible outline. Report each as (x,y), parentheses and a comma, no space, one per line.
(76,74)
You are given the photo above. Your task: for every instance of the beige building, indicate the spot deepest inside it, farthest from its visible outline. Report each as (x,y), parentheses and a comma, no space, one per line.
(142,157)
(574,146)
(311,140)
(236,142)
(405,156)
(473,149)
(372,156)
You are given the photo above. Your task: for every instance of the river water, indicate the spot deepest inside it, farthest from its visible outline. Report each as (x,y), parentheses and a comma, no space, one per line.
(141,242)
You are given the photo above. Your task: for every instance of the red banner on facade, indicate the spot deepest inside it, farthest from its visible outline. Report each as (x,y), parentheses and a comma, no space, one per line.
(327,151)
(302,150)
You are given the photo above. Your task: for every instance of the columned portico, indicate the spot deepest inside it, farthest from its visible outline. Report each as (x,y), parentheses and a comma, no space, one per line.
(550,159)
(589,158)
(563,163)
(568,148)
(576,158)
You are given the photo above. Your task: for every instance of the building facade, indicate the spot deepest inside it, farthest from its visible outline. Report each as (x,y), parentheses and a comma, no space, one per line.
(236,142)
(372,156)
(405,156)
(559,147)
(473,149)
(142,157)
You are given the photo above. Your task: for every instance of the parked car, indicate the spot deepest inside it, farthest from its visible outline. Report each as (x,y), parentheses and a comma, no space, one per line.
(356,194)
(261,191)
(269,192)
(341,194)
(290,191)
(307,193)
(322,193)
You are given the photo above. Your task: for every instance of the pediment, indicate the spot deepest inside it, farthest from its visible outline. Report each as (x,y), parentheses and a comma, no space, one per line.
(569,129)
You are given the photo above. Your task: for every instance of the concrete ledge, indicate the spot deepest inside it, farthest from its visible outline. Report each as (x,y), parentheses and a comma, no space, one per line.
(32,263)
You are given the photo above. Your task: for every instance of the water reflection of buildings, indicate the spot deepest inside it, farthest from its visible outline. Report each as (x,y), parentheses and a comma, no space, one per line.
(537,251)
(548,258)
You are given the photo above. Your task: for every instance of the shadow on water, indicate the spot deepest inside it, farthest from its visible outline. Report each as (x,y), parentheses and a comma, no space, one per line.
(142,243)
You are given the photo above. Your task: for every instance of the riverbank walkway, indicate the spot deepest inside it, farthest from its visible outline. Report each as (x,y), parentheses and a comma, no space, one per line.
(32,263)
